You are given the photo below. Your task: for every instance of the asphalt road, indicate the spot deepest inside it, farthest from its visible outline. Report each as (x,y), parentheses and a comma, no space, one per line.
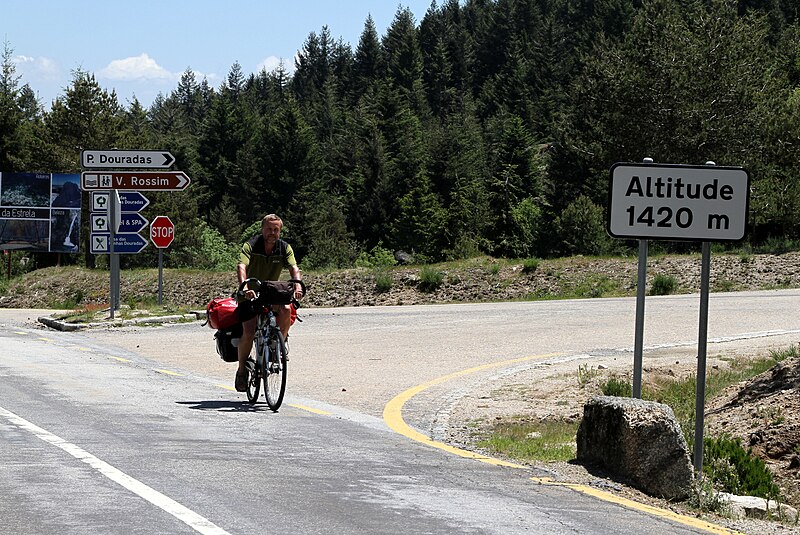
(136,430)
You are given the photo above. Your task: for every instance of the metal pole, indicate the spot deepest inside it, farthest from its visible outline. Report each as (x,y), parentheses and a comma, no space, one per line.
(111,256)
(641,291)
(160,270)
(702,346)
(639,334)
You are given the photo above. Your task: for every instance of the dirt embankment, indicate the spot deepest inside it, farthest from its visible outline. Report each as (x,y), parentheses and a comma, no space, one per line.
(469,281)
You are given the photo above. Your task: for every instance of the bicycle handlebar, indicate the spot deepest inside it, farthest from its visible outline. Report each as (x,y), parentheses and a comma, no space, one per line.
(255,284)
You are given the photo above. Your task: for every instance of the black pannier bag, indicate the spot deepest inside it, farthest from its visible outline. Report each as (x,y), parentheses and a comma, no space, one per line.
(228,342)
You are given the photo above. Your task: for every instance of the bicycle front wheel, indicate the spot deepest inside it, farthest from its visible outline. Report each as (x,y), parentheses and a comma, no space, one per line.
(254,374)
(275,374)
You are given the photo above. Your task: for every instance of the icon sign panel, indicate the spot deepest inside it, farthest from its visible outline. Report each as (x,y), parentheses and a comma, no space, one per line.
(124,243)
(130,201)
(128,222)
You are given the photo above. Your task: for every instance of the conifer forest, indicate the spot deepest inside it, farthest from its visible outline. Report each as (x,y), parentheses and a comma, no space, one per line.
(486,128)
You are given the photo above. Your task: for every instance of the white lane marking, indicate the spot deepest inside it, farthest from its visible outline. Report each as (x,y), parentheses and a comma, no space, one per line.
(185,515)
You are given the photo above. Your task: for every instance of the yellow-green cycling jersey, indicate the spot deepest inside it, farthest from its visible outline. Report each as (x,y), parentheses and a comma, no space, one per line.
(266,265)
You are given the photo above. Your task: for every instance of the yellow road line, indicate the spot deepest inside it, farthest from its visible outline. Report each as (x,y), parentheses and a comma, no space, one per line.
(167,372)
(311,409)
(226,387)
(625,502)
(392,415)
(20,332)
(119,359)
(392,412)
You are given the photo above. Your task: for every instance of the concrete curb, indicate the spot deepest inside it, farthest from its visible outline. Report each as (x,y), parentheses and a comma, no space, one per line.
(66,326)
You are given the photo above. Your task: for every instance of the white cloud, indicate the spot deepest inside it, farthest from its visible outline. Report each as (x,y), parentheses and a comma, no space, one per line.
(141,67)
(272,62)
(37,69)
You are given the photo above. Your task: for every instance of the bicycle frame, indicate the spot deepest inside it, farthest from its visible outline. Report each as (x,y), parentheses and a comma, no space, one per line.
(266,333)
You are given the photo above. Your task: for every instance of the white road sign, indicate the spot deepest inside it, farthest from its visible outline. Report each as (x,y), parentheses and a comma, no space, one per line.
(126,159)
(678,202)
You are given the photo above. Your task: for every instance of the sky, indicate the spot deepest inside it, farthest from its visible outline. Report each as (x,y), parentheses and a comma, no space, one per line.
(142,47)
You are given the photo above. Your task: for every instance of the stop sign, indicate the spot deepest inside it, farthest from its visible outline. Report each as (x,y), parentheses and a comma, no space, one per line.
(162,232)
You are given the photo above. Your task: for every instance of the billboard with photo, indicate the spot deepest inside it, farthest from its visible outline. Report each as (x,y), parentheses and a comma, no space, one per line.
(40,212)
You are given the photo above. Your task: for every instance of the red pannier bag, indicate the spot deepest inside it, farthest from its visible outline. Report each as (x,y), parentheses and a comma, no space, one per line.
(221,313)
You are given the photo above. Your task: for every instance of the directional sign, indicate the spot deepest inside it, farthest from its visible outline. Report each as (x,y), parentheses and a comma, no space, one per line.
(678,202)
(141,180)
(126,159)
(130,201)
(162,232)
(128,222)
(133,201)
(131,223)
(123,243)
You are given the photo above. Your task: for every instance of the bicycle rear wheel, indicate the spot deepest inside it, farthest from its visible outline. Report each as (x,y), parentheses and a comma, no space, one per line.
(275,374)
(254,374)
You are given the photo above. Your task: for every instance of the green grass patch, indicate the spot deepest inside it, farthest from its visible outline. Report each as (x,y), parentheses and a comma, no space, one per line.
(530,265)
(617,387)
(595,286)
(533,441)
(430,279)
(680,395)
(663,285)
(383,281)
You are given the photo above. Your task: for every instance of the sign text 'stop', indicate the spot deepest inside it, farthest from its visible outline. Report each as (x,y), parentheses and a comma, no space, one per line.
(126,159)
(162,231)
(678,202)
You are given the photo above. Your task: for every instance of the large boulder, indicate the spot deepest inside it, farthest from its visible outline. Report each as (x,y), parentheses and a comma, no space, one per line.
(639,441)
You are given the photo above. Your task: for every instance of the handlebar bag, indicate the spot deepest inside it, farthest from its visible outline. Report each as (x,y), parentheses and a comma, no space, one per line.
(221,313)
(276,292)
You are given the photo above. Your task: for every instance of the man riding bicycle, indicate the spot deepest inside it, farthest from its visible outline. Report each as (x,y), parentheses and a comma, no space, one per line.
(263,257)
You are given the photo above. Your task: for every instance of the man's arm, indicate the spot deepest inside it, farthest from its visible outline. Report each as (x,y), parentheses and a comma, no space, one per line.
(294,273)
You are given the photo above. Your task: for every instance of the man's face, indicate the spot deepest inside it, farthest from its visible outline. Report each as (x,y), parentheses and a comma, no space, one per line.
(271,230)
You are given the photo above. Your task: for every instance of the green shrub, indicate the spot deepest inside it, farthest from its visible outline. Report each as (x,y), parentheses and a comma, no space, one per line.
(377,257)
(743,474)
(663,285)
(617,387)
(383,281)
(529,265)
(430,279)
(581,229)
(214,252)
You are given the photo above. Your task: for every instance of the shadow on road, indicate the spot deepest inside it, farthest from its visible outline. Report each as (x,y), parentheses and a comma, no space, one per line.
(225,406)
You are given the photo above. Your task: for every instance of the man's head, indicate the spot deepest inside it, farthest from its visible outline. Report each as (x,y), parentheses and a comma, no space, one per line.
(271,229)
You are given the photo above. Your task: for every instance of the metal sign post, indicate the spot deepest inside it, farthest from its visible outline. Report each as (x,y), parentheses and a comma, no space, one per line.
(638,337)
(113,258)
(638,344)
(702,348)
(162,232)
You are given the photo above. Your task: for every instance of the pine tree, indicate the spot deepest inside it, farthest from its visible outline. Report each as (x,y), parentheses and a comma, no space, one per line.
(11,117)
